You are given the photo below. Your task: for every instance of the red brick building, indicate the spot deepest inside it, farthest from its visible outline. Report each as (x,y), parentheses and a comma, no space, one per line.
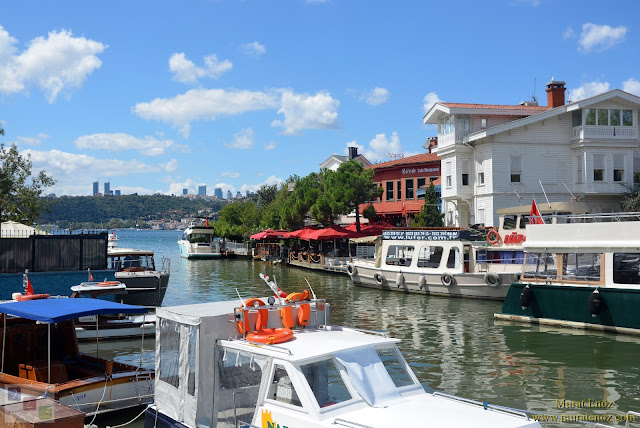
(403,183)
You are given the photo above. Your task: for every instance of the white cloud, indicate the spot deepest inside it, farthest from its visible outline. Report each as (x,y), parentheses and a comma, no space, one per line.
(600,37)
(379,147)
(186,71)
(569,33)
(241,140)
(587,90)
(254,48)
(170,166)
(303,111)
(148,146)
(632,86)
(270,146)
(376,96)
(360,147)
(271,180)
(230,174)
(204,104)
(32,141)
(56,64)
(429,100)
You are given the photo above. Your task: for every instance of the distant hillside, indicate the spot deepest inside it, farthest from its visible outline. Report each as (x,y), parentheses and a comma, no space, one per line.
(68,210)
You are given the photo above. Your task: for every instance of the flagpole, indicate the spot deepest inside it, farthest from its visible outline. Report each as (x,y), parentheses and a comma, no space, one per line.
(545,194)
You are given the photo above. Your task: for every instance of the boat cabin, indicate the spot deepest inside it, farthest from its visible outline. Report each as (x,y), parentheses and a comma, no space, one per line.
(131,260)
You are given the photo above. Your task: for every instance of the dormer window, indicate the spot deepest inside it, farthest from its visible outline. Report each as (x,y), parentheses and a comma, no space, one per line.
(483,123)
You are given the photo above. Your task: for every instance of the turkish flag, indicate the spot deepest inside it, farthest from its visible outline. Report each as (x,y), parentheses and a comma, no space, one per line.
(26,282)
(535,217)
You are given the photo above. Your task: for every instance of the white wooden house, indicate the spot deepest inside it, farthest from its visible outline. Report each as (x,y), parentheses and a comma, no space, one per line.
(496,156)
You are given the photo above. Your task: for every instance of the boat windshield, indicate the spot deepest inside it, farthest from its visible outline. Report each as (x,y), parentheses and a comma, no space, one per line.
(200,238)
(326,382)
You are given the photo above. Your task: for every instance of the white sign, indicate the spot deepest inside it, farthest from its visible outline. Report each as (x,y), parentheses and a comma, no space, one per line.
(408,171)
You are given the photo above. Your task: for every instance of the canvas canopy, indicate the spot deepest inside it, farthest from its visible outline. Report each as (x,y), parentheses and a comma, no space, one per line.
(56,310)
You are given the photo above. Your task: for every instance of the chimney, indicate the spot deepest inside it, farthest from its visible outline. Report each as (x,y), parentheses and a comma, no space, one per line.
(555,93)
(430,144)
(353,152)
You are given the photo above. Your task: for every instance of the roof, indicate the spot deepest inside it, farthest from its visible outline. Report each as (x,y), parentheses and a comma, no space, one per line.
(56,310)
(421,158)
(572,207)
(496,106)
(117,251)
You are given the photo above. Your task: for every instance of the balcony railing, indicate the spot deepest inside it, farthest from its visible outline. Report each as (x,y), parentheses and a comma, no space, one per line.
(619,132)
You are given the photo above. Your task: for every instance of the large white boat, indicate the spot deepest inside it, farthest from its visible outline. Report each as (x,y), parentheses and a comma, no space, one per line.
(146,283)
(224,365)
(42,358)
(200,242)
(583,274)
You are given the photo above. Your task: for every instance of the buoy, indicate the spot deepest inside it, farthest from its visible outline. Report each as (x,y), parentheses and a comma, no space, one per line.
(351,270)
(25,297)
(447,279)
(492,279)
(271,336)
(399,280)
(595,303)
(422,282)
(261,321)
(379,278)
(525,297)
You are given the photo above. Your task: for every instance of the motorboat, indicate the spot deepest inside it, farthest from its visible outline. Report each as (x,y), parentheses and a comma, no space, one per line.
(146,283)
(40,357)
(582,273)
(267,362)
(200,242)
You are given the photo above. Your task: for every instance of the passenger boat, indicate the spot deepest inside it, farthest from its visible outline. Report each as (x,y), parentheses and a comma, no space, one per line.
(199,242)
(581,275)
(279,363)
(146,283)
(42,358)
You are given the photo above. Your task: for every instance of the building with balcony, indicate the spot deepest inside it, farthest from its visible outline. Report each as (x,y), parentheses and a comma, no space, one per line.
(403,182)
(497,156)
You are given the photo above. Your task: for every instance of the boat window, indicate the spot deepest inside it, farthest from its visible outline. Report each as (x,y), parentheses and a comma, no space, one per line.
(453,261)
(509,222)
(199,238)
(193,348)
(581,266)
(524,220)
(169,351)
(326,383)
(540,266)
(430,256)
(399,255)
(282,389)
(626,268)
(501,257)
(396,367)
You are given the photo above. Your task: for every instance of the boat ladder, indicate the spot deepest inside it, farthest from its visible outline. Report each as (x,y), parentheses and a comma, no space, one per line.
(144,384)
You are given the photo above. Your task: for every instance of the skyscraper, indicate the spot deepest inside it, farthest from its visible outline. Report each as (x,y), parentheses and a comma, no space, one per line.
(96,188)
(229,196)
(202,190)
(185,191)
(107,187)
(218,192)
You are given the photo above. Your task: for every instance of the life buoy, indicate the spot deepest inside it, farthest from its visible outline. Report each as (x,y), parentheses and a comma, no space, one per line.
(351,270)
(304,310)
(270,336)
(447,279)
(492,279)
(493,237)
(25,297)
(399,280)
(108,283)
(379,278)
(261,321)
(422,282)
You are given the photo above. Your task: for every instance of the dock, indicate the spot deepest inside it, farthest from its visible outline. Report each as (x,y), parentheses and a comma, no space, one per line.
(40,413)
(319,262)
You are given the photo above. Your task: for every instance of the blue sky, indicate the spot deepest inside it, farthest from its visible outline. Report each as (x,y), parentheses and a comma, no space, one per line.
(157,96)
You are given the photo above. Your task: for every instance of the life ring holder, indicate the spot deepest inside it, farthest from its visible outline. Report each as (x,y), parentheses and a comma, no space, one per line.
(492,279)
(270,336)
(379,278)
(108,283)
(25,297)
(242,315)
(447,279)
(493,237)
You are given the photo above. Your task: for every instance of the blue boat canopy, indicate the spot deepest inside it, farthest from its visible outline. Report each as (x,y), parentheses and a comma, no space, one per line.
(56,310)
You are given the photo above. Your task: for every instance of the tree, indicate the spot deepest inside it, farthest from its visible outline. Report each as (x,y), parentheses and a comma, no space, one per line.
(349,187)
(369,213)
(20,192)
(429,215)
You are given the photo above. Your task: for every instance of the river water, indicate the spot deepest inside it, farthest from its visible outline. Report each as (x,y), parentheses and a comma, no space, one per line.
(453,345)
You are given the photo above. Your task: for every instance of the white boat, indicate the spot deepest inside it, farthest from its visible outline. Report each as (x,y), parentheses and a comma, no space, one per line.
(210,374)
(199,242)
(583,274)
(146,283)
(42,358)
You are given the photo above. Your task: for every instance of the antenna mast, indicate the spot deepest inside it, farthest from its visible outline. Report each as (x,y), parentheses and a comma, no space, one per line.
(534,90)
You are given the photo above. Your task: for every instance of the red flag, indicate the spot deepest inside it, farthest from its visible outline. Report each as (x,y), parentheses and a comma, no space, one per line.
(90,277)
(26,283)
(206,222)
(535,217)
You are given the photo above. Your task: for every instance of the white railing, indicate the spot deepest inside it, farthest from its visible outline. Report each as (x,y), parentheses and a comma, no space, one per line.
(622,132)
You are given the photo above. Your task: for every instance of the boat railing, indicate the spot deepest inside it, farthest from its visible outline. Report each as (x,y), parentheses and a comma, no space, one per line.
(592,218)
(485,405)
(375,332)
(165,265)
(346,423)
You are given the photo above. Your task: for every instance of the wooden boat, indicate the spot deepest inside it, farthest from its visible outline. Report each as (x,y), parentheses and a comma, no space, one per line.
(226,365)
(581,275)
(40,357)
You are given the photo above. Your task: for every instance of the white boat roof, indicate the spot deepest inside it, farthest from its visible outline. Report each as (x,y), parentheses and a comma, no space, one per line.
(596,237)
(117,251)
(572,207)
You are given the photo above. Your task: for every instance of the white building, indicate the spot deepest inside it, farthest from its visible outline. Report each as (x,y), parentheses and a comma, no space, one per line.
(334,161)
(496,156)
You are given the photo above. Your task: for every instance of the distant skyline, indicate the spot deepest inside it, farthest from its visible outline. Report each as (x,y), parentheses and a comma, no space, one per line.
(158,96)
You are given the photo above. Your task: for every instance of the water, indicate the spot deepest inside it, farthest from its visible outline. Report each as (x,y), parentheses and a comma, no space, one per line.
(453,345)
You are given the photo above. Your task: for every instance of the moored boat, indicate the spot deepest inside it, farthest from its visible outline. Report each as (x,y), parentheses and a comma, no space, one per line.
(146,283)
(581,275)
(200,242)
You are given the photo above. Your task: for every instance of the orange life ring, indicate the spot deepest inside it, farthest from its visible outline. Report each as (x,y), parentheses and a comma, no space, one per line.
(493,237)
(24,297)
(271,336)
(108,283)
(286,313)
(261,321)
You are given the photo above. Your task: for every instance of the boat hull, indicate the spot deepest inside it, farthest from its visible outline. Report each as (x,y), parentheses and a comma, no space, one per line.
(568,306)
(468,285)
(155,419)
(144,288)
(194,251)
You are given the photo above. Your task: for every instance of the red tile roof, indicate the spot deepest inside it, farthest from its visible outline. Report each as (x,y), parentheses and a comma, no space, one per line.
(497,106)
(421,158)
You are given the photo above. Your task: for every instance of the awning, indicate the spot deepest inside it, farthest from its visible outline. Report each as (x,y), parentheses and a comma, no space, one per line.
(56,310)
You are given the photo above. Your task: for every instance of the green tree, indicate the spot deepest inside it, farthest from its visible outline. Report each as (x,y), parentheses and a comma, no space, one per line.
(20,192)
(297,205)
(429,215)
(238,220)
(369,213)
(349,187)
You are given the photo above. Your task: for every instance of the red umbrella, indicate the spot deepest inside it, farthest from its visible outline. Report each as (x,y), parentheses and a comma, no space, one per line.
(301,232)
(270,234)
(328,233)
(261,235)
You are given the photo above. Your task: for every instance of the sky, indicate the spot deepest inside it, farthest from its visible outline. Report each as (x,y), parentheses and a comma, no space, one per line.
(157,96)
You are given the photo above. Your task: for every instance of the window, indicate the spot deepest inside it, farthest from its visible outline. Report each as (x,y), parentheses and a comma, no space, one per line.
(389,190)
(540,265)
(421,184)
(509,222)
(598,167)
(614,116)
(282,389)
(169,351)
(463,123)
(516,169)
(576,118)
(395,367)
(399,255)
(449,181)
(579,170)
(193,348)
(626,268)
(430,256)
(483,123)
(326,383)
(399,190)
(453,261)
(480,218)
(590,116)
(618,168)
(627,118)
(481,179)
(448,174)
(581,267)
(465,173)
(603,117)
(408,185)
